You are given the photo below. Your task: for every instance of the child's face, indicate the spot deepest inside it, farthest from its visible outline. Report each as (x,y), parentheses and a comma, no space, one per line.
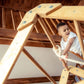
(64,31)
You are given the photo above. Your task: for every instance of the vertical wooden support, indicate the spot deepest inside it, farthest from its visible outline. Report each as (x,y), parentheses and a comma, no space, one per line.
(13,19)
(38,66)
(13,52)
(79,37)
(49,26)
(53,24)
(47,31)
(72,27)
(57,21)
(64,77)
(3,18)
(36,28)
(49,37)
(20,15)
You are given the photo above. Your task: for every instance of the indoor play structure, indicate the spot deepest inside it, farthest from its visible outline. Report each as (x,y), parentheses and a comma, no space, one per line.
(47,10)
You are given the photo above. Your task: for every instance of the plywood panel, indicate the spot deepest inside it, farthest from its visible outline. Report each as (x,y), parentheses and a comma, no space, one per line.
(42,9)
(68,13)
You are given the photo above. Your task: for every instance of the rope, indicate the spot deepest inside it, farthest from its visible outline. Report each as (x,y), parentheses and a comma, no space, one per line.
(71,60)
(58,54)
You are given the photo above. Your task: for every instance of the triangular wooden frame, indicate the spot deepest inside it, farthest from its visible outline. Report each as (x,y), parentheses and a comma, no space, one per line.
(25,28)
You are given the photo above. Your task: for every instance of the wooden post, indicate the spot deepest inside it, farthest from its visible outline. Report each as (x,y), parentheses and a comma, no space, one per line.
(49,26)
(20,15)
(71,26)
(79,37)
(53,23)
(13,19)
(36,28)
(3,18)
(38,66)
(64,77)
(57,21)
(49,37)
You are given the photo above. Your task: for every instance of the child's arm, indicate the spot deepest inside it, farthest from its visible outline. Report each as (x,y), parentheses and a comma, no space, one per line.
(68,46)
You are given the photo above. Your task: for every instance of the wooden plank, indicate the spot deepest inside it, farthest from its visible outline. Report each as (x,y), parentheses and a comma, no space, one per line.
(13,22)
(80,82)
(47,31)
(20,15)
(13,52)
(33,80)
(53,23)
(42,9)
(64,77)
(44,27)
(78,31)
(28,19)
(36,28)
(47,8)
(71,26)
(68,13)
(49,26)
(38,66)
(77,71)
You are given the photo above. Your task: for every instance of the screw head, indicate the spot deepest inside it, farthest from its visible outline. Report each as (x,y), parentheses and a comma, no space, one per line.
(39,6)
(30,11)
(51,6)
(24,22)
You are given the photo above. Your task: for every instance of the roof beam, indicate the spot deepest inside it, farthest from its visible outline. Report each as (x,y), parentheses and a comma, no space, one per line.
(9,33)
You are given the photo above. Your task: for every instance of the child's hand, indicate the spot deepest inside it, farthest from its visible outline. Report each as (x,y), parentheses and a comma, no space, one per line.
(57,51)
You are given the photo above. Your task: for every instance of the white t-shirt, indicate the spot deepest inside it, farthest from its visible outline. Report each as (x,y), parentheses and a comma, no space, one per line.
(75,46)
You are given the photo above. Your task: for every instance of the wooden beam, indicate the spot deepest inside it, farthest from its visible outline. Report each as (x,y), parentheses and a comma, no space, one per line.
(42,9)
(3,18)
(33,80)
(49,26)
(67,13)
(8,61)
(44,27)
(78,31)
(46,31)
(13,22)
(76,71)
(38,66)
(20,15)
(9,33)
(64,77)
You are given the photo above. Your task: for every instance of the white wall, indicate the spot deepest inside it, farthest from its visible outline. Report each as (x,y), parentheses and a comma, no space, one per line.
(45,56)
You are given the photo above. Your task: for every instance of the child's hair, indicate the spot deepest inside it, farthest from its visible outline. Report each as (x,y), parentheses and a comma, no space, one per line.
(60,24)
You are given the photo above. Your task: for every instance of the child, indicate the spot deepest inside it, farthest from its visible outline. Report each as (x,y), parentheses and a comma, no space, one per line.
(69,40)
